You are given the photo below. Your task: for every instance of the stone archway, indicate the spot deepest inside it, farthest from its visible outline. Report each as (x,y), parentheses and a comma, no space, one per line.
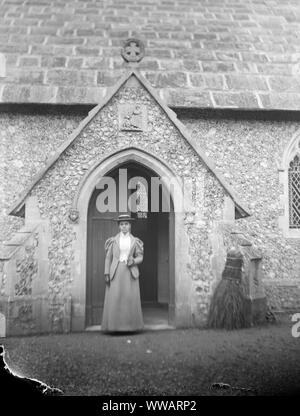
(180,312)
(152,227)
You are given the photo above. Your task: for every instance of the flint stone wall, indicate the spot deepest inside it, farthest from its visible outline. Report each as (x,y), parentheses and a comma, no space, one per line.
(56,191)
(247,152)
(27,139)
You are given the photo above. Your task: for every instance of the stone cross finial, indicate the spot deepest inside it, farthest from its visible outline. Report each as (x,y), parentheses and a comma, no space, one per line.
(133,50)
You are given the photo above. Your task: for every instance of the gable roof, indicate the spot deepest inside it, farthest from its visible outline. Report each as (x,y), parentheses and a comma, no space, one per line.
(17,208)
(199,53)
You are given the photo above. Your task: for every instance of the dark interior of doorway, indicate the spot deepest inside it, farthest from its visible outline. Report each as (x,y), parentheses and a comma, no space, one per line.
(153,228)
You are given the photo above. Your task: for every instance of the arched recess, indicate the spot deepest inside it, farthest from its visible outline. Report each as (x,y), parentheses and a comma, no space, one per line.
(288,181)
(179,311)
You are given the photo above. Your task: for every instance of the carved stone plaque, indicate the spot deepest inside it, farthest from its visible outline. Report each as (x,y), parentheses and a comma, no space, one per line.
(132,117)
(73,215)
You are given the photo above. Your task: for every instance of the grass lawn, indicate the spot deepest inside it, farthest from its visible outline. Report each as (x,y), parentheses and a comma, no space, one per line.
(263,360)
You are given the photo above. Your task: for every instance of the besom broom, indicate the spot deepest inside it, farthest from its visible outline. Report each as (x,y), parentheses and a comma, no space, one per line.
(227,307)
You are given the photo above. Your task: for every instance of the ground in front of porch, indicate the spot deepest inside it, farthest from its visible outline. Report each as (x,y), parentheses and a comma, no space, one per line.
(254,361)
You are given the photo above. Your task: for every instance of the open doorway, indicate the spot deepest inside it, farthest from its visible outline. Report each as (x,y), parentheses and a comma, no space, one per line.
(155,229)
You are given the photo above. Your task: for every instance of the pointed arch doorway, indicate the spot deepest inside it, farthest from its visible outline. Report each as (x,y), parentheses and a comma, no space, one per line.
(155,229)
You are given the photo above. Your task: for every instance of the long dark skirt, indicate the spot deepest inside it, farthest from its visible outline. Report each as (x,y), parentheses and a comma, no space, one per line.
(122,309)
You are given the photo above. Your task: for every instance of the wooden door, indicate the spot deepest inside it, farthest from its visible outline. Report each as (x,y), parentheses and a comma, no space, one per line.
(100,228)
(146,230)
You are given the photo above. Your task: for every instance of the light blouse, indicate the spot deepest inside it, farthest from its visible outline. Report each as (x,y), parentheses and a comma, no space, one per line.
(125,243)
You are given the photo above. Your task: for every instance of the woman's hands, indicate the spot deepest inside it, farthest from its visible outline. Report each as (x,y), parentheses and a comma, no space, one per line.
(130,261)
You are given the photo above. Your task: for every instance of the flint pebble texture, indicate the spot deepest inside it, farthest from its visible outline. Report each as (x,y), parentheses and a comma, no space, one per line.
(247,152)
(26,141)
(56,190)
(26,269)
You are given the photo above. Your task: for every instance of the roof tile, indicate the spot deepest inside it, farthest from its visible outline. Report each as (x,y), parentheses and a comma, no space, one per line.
(225,53)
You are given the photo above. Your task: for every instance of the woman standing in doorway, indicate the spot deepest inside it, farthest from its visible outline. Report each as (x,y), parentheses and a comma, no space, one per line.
(122,302)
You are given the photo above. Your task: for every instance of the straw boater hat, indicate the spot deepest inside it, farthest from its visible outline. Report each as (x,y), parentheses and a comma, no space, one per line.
(124,217)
